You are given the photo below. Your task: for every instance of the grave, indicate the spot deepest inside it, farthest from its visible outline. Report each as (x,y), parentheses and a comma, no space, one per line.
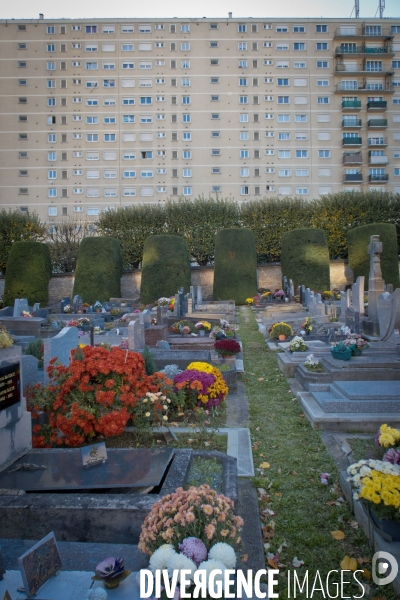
(136,335)
(20,305)
(60,346)
(376,286)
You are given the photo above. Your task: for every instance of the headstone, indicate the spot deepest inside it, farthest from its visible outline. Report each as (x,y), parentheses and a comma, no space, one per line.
(303,295)
(185,304)
(177,306)
(357,295)
(389,317)
(147,318)
(285,285)
(291,290)
(136,335)
(199,295)
(190,306)
(39,563)
(311,306)
(389,288)
(60,346)
(319,305)
(36,307)
(307,297)
(20,304)
(41,312)
(64,303)
(77,302)
(376,284)
(352,319)
(344,302)
(192,295)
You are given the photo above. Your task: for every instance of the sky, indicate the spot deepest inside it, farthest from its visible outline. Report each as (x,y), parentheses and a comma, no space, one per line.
(30,9)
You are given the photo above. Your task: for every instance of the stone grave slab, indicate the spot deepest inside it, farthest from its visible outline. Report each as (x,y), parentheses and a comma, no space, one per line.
(125,468)
(182,358)
(358,396)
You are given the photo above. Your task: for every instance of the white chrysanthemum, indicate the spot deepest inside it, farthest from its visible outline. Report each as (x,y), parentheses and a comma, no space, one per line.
(178,562)
(209,566)
(224,553)
(159,558)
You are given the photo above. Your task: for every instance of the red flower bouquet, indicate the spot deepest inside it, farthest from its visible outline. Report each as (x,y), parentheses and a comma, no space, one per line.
(227,347)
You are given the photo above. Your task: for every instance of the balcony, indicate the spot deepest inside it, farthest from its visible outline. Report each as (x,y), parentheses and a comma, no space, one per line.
(352,141)
(377,160)
(351,105)
(352,123)
(377,123)
(353,178)
(361,86)
(366,31)
(379,178)
(362,69)
(378,141)
(385,52)
(352,158)
(377,105)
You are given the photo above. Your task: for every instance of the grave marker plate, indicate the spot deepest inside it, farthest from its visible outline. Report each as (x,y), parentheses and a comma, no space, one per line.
(39,563)
(10,385)
(94,454)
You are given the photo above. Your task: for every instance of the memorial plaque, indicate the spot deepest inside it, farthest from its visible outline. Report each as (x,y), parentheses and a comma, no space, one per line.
(7,596)
(94,454)
(39,563)
(125,467)
(10,385)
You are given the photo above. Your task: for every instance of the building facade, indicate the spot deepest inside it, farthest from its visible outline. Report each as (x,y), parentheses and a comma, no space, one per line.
(105,113)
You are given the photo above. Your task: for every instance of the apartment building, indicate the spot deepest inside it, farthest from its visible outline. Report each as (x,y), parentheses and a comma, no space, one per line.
(105,113)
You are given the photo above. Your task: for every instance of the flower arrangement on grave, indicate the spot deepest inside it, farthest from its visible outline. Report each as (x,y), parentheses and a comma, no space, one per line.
(312,364)
(179,325)
(124,344)
(356,343)
(227,347)
(280,328)
(67,309)
(98,393)
(377,484)
(257,298)
(336,295)
(217,330)
(164,301)
(327,295)
(203,325)
(26,314)
(73,323)
(339,347)
(250,301)
(97,306)
(196,512)
(6,340)
(202,385)
(153,321)
(84,321)
(387,437)
(115,312)
(111,571)
(266,294)
(279,294)
(307,326)
(297,344)
(171,303)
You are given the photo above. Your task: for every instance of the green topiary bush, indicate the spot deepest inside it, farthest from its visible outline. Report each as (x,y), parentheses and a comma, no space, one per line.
(235,265)
(28,273)
(165,267)
(359,259)
(305,258)
(98,269)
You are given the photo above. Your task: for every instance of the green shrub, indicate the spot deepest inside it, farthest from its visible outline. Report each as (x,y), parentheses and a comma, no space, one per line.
(16,226)
(35,348)
(165,267)
(305,258)
(28,273)
(149,364)
(98,269)
(359,259)
(235,265)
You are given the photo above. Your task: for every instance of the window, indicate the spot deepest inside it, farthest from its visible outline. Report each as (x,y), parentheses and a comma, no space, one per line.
(268,116)
(51,102)
(128,101)
(244,153)
(127,47)
(243,81)
(299,65)
(50,47)
(243,135)
(185,82)
(245,172)
(284,153)
(244,118)
(92,137)
(186,136)
(52,211)
(185,64)
(22,64)
(322,82)
(324,153)
(284,136)
(92,174)
(78,191)
(269,152)
(244,190)
(323,100)
(185,46)
(322,64)
(301,153)
(91,47)
(321,28)
(52,138)
(300,118)
(214,116)
(299,29)
(50,29)
(284,173)
(396,64)
(242,28)
(283,118)
(270,170)
(301,191)
(242,46)
(322,46)
(77,100)
(51,174)
(109,101)
(282,29)
(214,79)
(299,46)
(282,82)
(282,47)
(283,99)
(90,28)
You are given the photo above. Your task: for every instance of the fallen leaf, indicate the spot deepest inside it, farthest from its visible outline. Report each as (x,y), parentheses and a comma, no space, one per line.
(261,491)
(261,454)
(278,494)
(273,563)
(265,465)
(349,564)
(283,545)
(354,524)
(294,473)
(267,546)
(257,429)
(361,560)
(366,573)
(297,563)
(244,558)
(279,470)
(261,379)
(206,443)
(268,511)
(338,535)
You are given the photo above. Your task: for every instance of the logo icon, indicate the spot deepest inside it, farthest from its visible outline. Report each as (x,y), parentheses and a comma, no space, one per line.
(384,563)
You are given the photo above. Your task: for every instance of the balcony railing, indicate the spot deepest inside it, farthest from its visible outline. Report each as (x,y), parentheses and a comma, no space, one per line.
(363,68)
(377,123)
(352,141)
(377,160)
(351,105)
(365,87)
(377,105)
(381,141)
(364,31)
(382,178)
(353,178)
(352,158)
(354,50)
(352,123)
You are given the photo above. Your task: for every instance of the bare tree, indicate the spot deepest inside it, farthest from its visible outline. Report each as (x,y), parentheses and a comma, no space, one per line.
(63,238)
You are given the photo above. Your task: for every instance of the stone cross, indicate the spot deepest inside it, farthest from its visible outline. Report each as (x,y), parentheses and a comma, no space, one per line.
(136,335)
(358,295)
(376,284)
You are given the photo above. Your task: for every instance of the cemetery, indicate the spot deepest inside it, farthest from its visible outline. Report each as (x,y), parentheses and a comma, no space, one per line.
(258,403)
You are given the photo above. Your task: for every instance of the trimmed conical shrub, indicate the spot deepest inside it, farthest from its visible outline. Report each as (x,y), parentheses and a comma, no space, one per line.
(28,273)
(305,258)
(165,267)
(98,269)
(235,265)
(359,259)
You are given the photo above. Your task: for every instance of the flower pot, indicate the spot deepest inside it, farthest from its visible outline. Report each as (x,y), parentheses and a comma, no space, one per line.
(346,355)
(389,528)
(355,351)
(282,337)
(202,333)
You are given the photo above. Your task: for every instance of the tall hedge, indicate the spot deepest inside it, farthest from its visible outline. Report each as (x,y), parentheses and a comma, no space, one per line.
(16,226)
(28,273)
(99,269)
(305,258)
(359,259)
(235,265)
(165,267)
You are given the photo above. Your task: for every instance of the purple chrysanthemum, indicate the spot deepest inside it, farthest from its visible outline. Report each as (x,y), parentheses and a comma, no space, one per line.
(194,549)
(110,567)
(191,375)
(392,456)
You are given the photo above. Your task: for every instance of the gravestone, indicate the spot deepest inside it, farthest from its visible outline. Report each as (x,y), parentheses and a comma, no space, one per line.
(60,346)
(39,563)
(357,295)
(291,290)
(20,304)
(162,317)
(312,306)
(185,304)
(389,315)
(389,288)
(36,307)
(177,305)
(146,318)
(376,287)
(307,297)
(319,305)
(64,303)
(136,335)
(77,303)
(199,295)
(344,303)
(303,295)
(192,295)
(190,306)
(285,285)
(15,420)
(352,319)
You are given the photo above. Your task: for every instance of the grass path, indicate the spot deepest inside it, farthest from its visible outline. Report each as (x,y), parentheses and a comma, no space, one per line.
(306,511)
